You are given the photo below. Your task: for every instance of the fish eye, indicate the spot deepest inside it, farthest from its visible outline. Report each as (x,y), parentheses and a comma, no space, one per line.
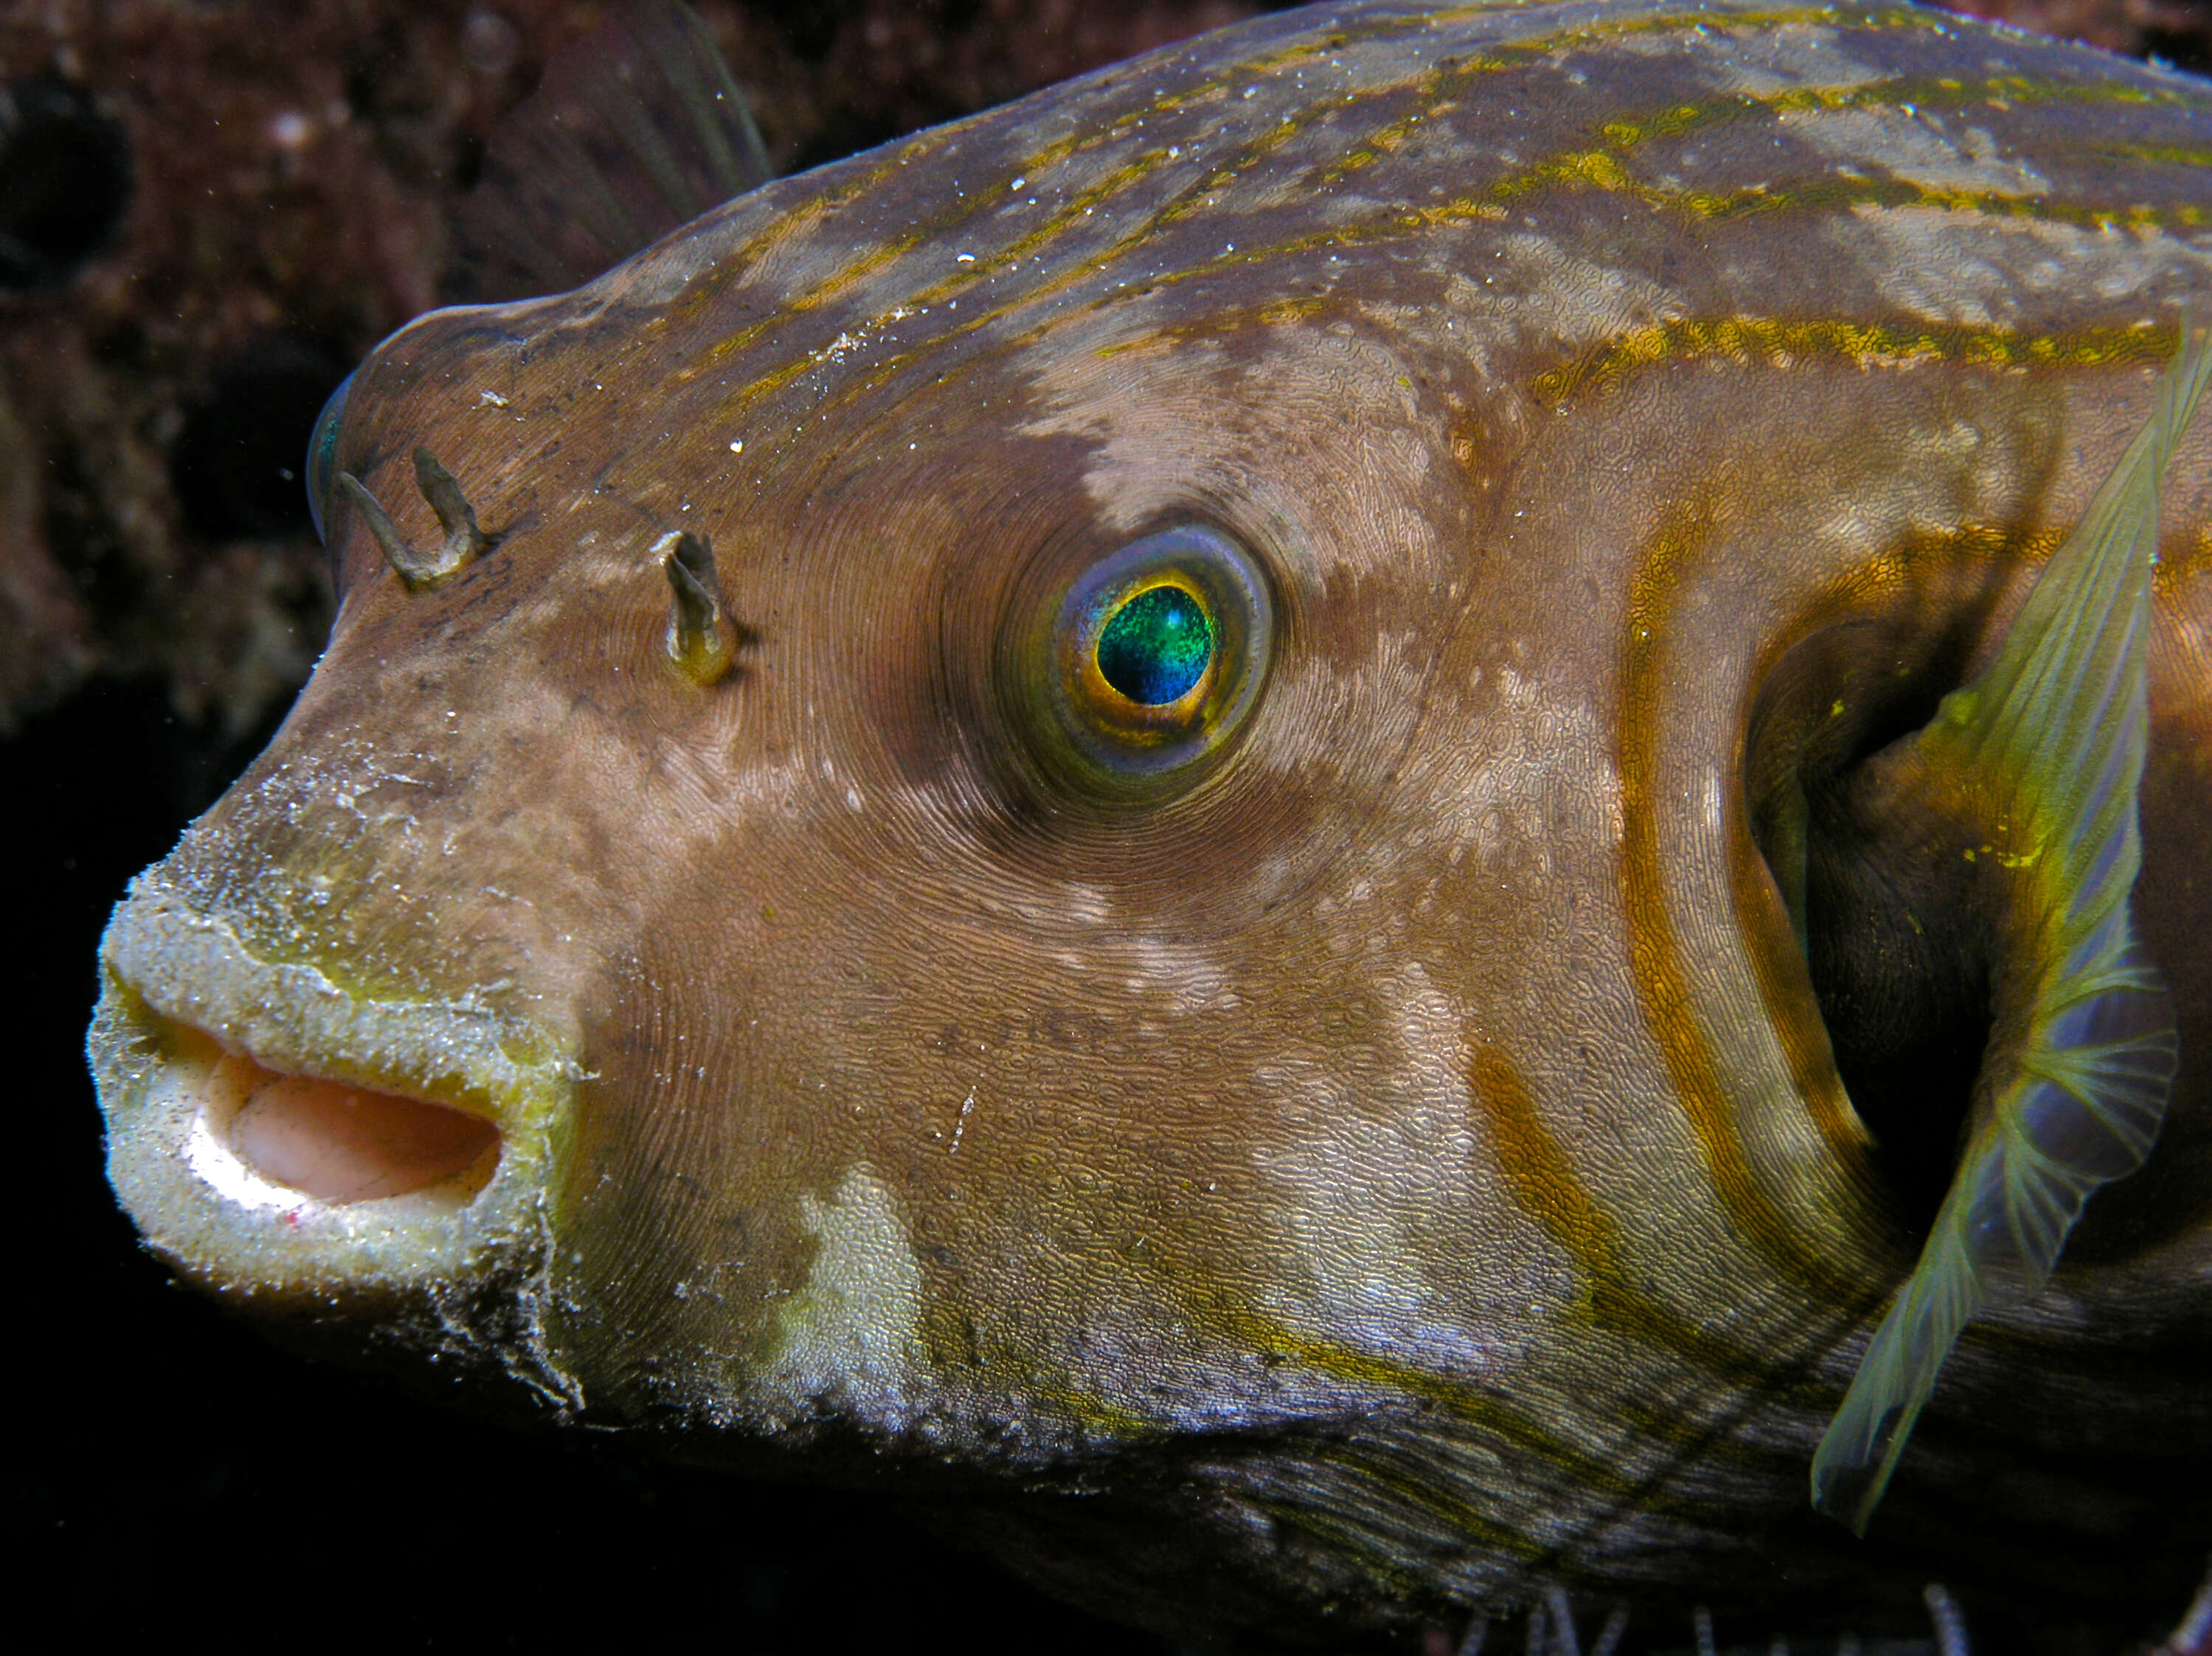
(321,470)
(1159,649)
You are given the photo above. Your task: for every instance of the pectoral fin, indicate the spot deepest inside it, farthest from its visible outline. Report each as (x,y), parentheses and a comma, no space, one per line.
(636,128)
(2033,768)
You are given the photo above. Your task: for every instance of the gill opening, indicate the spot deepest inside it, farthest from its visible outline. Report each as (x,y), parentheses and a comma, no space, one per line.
(1896,943)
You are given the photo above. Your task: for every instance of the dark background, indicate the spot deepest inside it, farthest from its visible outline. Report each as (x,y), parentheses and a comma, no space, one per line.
(209,209)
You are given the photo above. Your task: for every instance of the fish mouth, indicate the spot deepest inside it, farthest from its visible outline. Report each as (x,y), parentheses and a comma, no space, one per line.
(277,1133)
(262,1138)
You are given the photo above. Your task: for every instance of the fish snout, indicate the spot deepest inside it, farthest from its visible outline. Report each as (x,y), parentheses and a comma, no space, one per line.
(335,1161)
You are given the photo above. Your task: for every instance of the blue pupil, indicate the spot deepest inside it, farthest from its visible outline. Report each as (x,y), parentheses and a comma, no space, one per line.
(1155,647)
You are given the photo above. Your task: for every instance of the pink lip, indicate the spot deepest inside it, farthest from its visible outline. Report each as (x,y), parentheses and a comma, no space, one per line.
(342,1143)
(332,1141)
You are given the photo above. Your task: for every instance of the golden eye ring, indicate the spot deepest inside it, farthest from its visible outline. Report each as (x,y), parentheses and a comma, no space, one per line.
(1159,649)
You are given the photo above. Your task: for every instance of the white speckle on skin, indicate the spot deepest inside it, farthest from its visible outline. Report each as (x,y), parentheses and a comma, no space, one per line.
(1789,56)
(1190,980)
(1913,150)
(1085,904)
(852,1335)
(1974,270)
(1539,293)
(1154,417)
(1364,1176)
(1542,764)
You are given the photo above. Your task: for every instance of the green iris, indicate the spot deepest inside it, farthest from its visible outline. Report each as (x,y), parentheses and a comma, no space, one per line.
(1156,646)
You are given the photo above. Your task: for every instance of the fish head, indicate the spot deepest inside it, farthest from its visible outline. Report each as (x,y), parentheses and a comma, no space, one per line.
(894,1029)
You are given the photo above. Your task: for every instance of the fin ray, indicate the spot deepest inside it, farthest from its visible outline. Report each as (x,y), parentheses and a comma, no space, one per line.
(2049,743)
(1896,1376)
(637,128)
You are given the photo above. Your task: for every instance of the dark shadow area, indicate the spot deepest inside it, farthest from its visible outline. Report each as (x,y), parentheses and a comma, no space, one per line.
(237,465)
(811,27)
(1896,942)
(64,180)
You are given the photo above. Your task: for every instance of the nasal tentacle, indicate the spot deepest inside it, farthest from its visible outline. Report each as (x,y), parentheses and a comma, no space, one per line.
(698,637)
(464,540)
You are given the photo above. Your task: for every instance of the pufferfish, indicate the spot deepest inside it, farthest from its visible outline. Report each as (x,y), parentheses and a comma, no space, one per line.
(1400,817)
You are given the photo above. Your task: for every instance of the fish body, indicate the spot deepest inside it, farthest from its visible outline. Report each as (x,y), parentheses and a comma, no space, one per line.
(1359,1142)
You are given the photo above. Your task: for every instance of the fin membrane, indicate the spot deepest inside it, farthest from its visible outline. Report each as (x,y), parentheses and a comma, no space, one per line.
(635,129)
(2040,758)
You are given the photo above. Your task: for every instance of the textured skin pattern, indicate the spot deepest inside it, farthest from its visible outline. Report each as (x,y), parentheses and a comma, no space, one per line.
(1407,1169)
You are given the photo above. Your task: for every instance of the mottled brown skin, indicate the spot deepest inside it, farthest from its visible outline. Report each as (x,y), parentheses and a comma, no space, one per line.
(1408,1168)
